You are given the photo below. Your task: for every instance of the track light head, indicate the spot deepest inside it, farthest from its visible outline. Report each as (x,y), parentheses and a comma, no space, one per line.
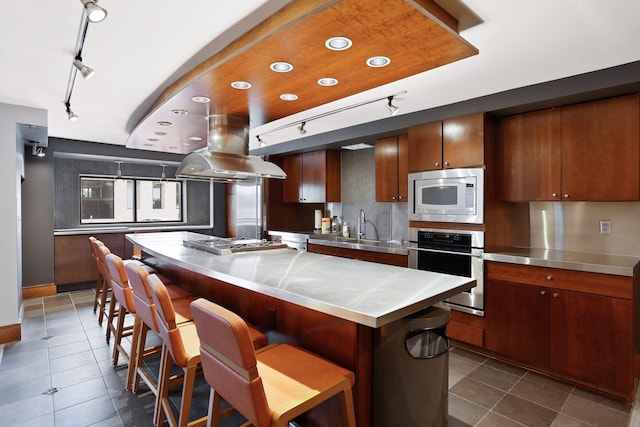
(261,143)
(86,72)
(70,114)
(38,152)
(95,13)
(393,110)
(301,128)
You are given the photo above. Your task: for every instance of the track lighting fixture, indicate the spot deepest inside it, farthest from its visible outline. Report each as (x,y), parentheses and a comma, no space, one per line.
(119,171)
(95,13)
(86,72)
(301,124)
(393,110)
(70,114)
(37,151)
(261,143)
(163,177)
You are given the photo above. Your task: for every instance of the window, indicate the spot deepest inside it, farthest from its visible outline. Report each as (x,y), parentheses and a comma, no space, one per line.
(112,200)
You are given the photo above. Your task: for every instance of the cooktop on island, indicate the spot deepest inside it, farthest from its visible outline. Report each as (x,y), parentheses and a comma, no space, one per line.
(229,245)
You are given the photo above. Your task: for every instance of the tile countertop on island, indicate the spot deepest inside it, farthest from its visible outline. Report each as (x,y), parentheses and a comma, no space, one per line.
(367,293)
(619,265)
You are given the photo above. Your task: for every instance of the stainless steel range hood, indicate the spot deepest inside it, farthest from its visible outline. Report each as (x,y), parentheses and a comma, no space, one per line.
(226,157)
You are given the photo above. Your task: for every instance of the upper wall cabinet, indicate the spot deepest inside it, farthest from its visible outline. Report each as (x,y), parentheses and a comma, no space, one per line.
(453,143)
(312,177)
(392,161)
(584,152)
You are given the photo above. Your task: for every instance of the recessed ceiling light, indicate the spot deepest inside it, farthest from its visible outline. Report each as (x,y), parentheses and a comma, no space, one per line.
(165,123)
(328,81)
(281,67)
(289,97)
(186,144)
(201,99)
(359,146)
(378,61)
(180,112)
(195,138)
(173,147)
(338,43)
(160,133)
(148,145)
(153,139)
(241,85)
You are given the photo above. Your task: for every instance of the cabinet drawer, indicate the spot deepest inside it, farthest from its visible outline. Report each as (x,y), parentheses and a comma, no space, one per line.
(579,281)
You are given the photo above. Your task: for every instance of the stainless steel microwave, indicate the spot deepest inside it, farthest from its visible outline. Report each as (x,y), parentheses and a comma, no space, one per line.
(448,195)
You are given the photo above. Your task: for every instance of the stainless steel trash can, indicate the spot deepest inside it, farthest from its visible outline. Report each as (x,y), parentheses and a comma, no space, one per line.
(411,370)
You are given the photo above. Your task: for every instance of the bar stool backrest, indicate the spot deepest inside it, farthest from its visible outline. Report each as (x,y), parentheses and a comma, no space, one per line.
(145,306)
(166,317)
(120,282)
(229,360)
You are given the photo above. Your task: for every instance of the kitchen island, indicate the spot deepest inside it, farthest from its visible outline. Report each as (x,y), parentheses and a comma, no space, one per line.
(332,306)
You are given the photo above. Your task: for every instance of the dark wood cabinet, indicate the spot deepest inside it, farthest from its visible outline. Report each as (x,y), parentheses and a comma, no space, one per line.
(392,158)
(584,152)
(576,325)
(528,158)
(452,143)
(312,177)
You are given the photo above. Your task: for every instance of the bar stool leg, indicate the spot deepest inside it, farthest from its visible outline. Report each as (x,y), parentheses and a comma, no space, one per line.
(118,335)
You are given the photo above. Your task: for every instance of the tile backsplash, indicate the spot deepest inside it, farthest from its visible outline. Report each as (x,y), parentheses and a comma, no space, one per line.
(384,221)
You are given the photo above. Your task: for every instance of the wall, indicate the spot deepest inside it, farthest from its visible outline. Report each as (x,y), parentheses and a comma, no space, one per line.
(11,160)
(385,221)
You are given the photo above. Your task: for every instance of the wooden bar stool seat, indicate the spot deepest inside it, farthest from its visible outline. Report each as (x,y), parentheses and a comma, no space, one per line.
(103,288)
(182,347)
(271,386)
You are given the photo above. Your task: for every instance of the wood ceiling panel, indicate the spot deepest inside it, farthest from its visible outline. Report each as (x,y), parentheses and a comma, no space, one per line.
(407,32)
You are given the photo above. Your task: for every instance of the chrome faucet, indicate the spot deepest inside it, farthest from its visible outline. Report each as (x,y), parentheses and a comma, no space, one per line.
(361,224)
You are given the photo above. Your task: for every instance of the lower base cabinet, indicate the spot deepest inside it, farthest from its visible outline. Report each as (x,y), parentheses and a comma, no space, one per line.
(576,325)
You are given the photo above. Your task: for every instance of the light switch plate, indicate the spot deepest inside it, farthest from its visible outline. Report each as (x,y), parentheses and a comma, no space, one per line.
(605,226)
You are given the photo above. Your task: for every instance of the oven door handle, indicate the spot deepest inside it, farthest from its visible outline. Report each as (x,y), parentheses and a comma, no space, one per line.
(478,253)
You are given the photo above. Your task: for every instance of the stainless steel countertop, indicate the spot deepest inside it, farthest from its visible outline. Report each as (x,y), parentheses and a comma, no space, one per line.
(619,265)
(367,293)
(337,241)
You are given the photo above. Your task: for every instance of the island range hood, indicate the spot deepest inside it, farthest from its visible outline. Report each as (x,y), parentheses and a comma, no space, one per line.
(226,157)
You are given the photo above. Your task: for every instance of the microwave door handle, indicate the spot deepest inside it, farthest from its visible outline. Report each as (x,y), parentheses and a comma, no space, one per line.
(477,253)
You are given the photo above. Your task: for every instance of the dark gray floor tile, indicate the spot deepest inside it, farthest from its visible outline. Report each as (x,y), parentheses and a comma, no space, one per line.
(86,413)
(73,361)
(115,382)
(25,373)
(19,413)
(541,394)
(75,376)
(19,360)
(64,329)
(469,354)
(17,348)
(465,412)
(513,370)
(496,420)
(69,349)
(494,377)
(116,422)
(594,413)
(15,391)
(72,337)
(79,393)
(59,299)
(525,412)
(477,392)
(602,400)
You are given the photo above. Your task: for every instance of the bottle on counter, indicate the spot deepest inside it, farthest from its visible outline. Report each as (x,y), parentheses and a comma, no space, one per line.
(335,224)
(345,230)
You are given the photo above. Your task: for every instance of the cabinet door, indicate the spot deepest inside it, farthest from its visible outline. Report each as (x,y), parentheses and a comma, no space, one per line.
(314,177)
(528,156)
(292,186)
(591,338)
(425,146)
(386,152)
(517,321)
(403,168)
(463,141)
(601,150)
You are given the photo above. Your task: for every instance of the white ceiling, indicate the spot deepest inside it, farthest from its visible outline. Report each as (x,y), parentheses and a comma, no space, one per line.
(144,45)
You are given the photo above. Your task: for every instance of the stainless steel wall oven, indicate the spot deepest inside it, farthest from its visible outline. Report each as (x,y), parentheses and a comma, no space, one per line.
(456,252)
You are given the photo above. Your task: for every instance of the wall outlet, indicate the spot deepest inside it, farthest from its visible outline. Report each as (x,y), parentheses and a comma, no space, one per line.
(605,226)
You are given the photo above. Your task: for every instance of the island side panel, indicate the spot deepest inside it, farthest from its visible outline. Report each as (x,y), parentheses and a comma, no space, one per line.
(341,341)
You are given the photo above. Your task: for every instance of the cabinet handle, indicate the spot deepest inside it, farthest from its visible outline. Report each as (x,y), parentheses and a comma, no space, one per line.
(555,295)
(393,197)
(554,194)
(437,164)
(566,196)
(543,293)
(446,163)
(549,277)
(399,197)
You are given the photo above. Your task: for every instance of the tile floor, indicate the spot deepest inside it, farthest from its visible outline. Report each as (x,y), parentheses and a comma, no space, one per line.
(60,374)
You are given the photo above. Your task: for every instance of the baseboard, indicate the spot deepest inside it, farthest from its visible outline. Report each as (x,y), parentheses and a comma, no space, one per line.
(10,333)
(39,291)
(636,365)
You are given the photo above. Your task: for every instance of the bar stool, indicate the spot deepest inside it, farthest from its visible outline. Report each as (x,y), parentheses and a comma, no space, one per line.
(124,296)
(182,347)
(146,317)
(271,386)
(102,283)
